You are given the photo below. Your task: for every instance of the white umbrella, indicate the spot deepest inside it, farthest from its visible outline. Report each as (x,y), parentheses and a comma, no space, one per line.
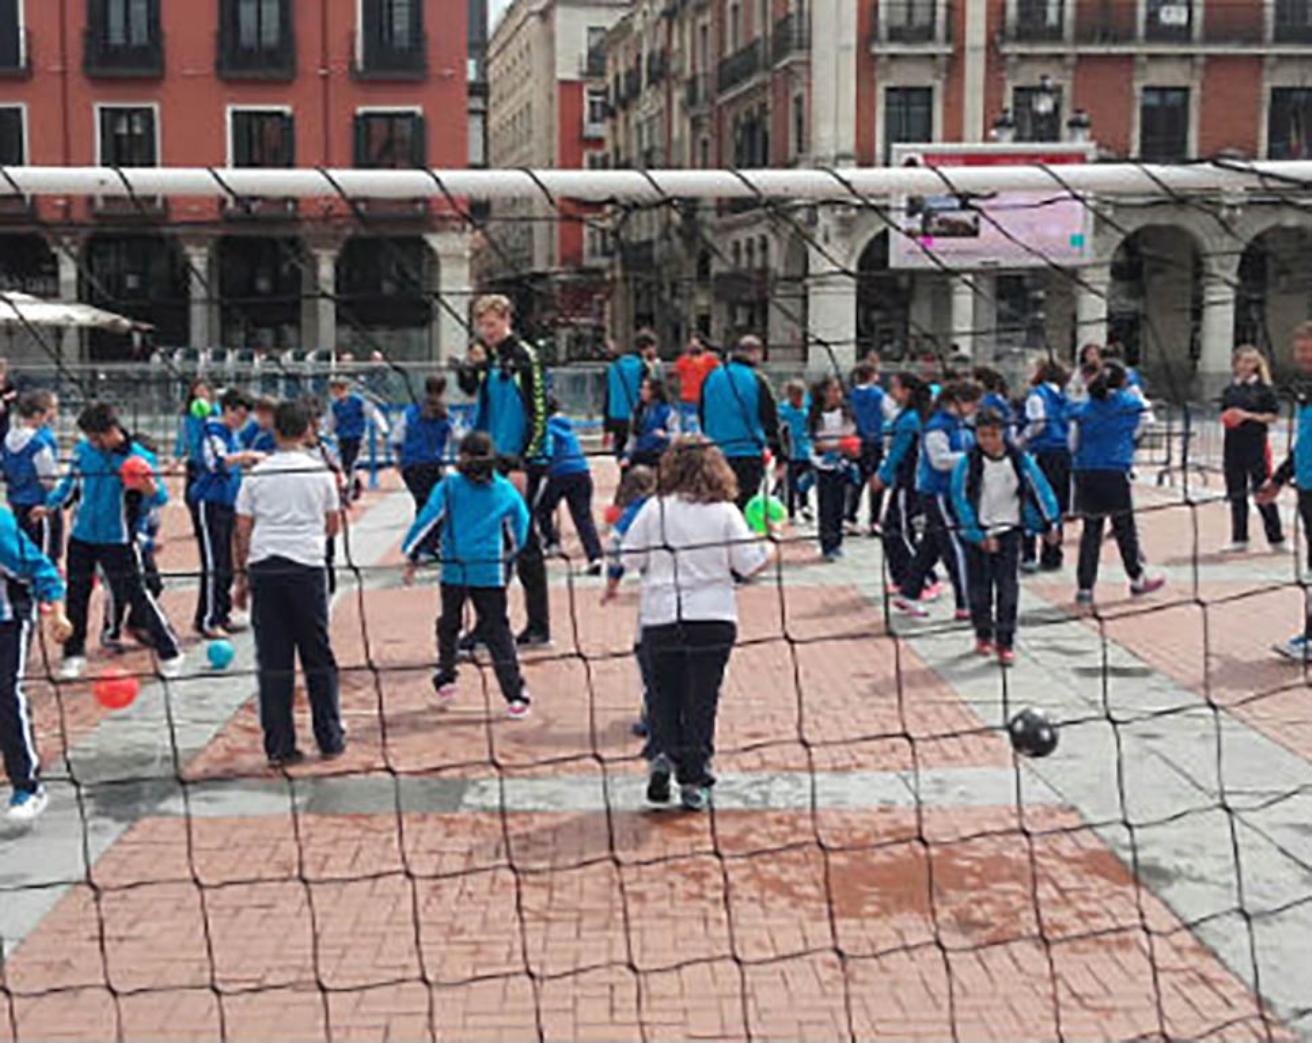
(24,310)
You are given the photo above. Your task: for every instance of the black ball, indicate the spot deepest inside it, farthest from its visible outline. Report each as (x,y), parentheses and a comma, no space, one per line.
(1032,733)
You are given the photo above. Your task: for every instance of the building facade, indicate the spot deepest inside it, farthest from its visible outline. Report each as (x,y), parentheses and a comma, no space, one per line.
(779,83)
(241,83)
(546,109)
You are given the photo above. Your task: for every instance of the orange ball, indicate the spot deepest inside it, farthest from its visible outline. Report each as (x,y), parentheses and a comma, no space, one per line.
(136,473)
(115,689)
(850,446)
(1230,418)
(613,513)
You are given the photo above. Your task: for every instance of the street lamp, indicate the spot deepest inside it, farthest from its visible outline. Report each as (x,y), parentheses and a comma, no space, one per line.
(1045,98)
(1080,127)
(1004,128)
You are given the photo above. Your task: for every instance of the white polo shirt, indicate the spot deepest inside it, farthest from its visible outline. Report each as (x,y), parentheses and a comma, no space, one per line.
(289,495)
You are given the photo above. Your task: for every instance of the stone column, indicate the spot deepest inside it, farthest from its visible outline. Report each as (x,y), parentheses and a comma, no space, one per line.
(200,333)
(830,304)
(1091,305)
(450,333)
(66,253)
(963,313)
(1218,327)
(325,302)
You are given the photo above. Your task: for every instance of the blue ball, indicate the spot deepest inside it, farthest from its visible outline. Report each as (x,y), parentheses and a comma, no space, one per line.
(220,654)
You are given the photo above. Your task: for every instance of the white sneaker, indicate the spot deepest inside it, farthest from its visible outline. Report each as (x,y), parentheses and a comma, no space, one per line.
(172,668)
(518,709)
(25,806)
(238,621)
(1235,547)
(73,667)
(910,608)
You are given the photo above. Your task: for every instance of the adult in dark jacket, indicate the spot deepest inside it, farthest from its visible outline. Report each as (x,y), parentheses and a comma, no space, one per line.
(739,415)
(506,376)
(1248,409)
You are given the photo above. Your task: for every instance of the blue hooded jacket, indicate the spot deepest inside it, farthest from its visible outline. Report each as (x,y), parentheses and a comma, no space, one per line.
(900,462)
(348,414)
(423,439)
(217,482)
(653,418)
(1055,436)
(624,379)
(106,511)
(563,449)
(797,434)
(483,525)
(28,454)
(1105,430)
(868,412)
(25,571)
(1039,511)
(932,480)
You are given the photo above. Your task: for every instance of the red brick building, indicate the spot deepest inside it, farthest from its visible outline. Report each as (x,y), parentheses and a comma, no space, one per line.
(242,83)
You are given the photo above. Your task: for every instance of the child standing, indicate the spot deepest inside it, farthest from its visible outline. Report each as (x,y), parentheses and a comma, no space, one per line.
(1252,407)
(653,424)
(29,576)
(1046,435)
(998,494)
(257,435)
(347,419)
(689,542)
(898,474)
(31,465)
(145,524)
(636,488)
(794,430)
(829,424)
(482,523)
(570,479)
(419,439)
(868,415)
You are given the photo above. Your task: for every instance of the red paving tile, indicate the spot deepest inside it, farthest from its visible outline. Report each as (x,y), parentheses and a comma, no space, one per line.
(686,943)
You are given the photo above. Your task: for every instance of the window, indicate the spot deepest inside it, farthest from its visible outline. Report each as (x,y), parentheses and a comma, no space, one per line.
(911,21)
(127,23)
(704,153)
(1293,23)
(392,38)
(128,137)
(1289,124)
(398,22)
(596,113)
(594,57)
(12,54)
(262,139)
(12,150)
(1037,111)
(259,24)
(735,28)
(477,138)
(1039,19)
(1164,124)
(123,38)
(255,39)
(908,117)
(799,125)
(390,140)
(1168,20)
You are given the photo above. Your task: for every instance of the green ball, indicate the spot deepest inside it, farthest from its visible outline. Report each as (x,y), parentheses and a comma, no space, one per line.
(760,508)
(200,409)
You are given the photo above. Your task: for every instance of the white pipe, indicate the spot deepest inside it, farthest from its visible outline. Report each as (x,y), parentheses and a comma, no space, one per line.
(600,185)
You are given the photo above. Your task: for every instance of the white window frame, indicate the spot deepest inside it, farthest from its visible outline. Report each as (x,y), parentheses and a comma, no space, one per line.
(21,106)
(98,106)
(935,113)
(232,110)
(22,50)
(1191,131)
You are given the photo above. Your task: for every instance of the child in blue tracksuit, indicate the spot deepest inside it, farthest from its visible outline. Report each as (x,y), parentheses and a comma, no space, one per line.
(995,399)
(28,576)
(998,494)
(419,440)
(148,523)
(829,425)
(257,435)
(654,425)
(1103,430)
(867,404)
(794,415)
(102,536)
(31,467)
(347,420)
(1046,435)
(636,488)
(897,473)
(482,523)
(945,440)
(569,479)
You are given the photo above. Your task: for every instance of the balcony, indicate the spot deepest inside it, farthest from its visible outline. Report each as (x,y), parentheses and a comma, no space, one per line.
(697,92)
(129,209)
(658,66)
(128,61)
(791,38)
(260,208)
(235,62)
(592,65)
(17,63)
(741,66)
(380,59)
(911,26)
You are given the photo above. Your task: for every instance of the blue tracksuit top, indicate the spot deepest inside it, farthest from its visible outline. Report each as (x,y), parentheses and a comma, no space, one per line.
(998,404)
(423,438)
(217,482)
(501,412)
(615,568)
(868,412)
(793,421)
(257,438)
(731,410)
(483,525)
(348,416)
(654,417)
(1055,436)
(563,449)
(25,571)
(22,447)
(623,383)
(1039,509)
(900,462)
(105,512)
(931,480)
(1105,430)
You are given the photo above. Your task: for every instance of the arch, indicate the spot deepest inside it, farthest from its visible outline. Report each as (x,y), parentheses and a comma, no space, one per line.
(142,276)
(261,283)
(1275,270)
(883,302)
(385,295)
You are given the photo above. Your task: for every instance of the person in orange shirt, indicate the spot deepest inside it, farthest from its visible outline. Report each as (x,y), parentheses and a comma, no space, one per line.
(692,368)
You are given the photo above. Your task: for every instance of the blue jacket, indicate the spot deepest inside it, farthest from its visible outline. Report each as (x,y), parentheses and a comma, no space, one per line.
(257,438)
(1038,505)
(30,454)
(190,431)
(944,438)
(615,568)
(1298,464)
(106,511)
(650,419)
(868,412)
(1055,436)
(624,379)
(511,390)
(482,527)
(25,571)
(564,453)
(217,482)
(998,404)
(793,425)
(738,411)
(899,467)
(1105,430)
(349,416)
(423,439)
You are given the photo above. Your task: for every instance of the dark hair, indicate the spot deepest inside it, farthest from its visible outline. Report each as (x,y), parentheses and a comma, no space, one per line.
(694,469)
(553,404)
(291,421)
(313,406)
(98,418)
(957,391)
(197,382)
(339,382)
(265,404)
(435,386)
(643,339)
(990,379)
(919,400)
(989,418)
(146,442)
(863,372)
(477,459)
(1081,357)
(1050,373)
(818,390)
(34,403)
(638,481)
(1109,379)
(234,398)
(658,392)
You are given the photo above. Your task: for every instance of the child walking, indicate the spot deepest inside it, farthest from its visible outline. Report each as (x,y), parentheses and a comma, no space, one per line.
(482,523)
(347,419)
(31,466)
(898,474)
(569,479)
(998,494)
(867,401)
(829,425)
(794,417)
(689,542)
(420,438)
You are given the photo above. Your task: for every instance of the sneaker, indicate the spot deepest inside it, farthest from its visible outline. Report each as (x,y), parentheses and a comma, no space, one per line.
(594,568)
(658,782)
(910,608)
(279,761)
(72,667)
(445,687)
(1147,584)
(533,639)
(1029,567)
(1235,547)
(112,643)
(25,806)
(518,709)
(695,798)
(639,729)
(932,592)
(1006,657)
(239,621)
(333,752)
(172,668)
(961,615)
(1296,648)
(469,644)
(808,515)
(984,648)
(831,557)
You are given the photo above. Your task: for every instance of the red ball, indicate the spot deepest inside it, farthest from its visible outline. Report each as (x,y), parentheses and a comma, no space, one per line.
(136,473)
(850,446)
(613,513)
(1230,418)
(115,689)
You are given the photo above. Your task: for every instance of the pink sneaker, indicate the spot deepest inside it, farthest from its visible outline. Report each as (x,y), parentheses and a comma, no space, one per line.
(984,648)
(910,608)
(961,615)
(1006,657)
(1147,584)
(932,592)
(446,695)
(518,709)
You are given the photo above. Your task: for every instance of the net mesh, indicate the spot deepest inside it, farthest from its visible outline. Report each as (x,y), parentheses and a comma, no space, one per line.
(877,861)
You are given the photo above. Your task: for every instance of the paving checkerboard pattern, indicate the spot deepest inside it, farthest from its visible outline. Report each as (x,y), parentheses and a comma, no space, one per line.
(877,866)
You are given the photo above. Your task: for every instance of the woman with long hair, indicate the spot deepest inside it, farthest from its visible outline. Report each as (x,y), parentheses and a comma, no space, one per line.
(1248,409)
